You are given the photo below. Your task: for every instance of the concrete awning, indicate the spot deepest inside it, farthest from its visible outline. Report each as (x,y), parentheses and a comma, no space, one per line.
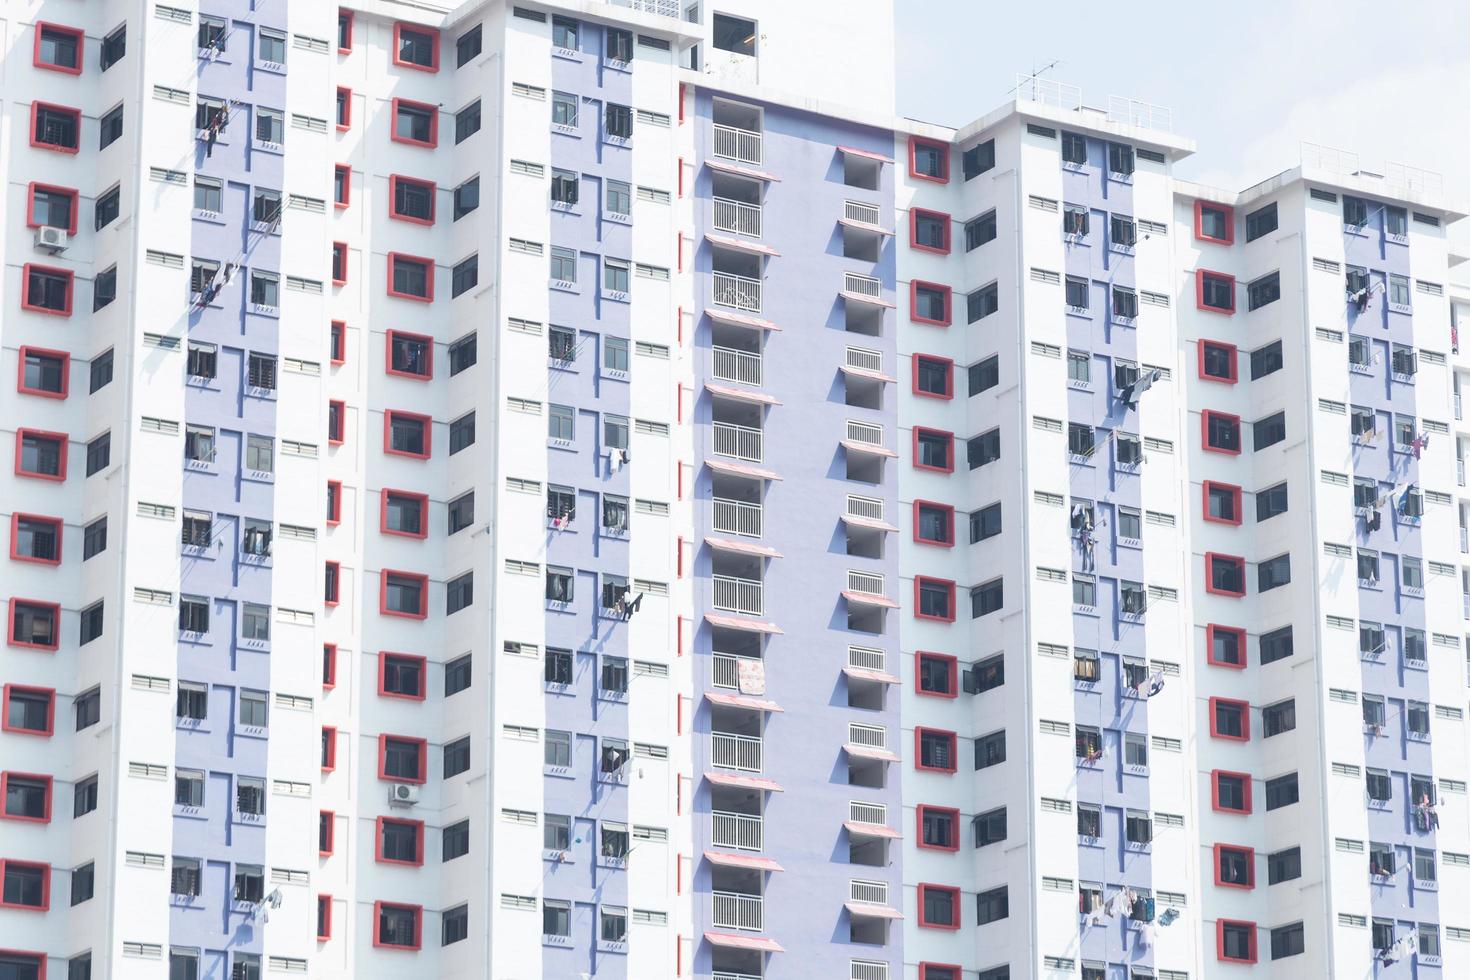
(876,676)
(742,245)
(742,547)
(739,319)
(740,469)
(739,171)
(741,623)
(750,395)
(865,154)
(744,782)
(871,830)
(867,522)
(752,862)
(866,300)
(869,752)
(731,941)
(741,701)
(864,226)
(874,911)
(867,599)
(853,446)
(858,372)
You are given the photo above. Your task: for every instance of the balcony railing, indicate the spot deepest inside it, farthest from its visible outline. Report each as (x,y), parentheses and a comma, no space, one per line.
(867,658)
(663,8)
(725,670)
(737,217)
(869,736)
(741,752)
(868,892)
(868,508)
(741,292)
(865,582)
(736,365)
(869,970)
(740,145)
(864,432)
(738,830)
(875,814)
(739,595)
(726,975)
(864,359)
(738,517)
(732,910)
(862,285)
(740,441)
(868,214)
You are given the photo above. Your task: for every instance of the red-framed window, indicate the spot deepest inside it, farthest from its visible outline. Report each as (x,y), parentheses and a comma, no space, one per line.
(1220,432)
(1225,646)
(29,710)
(43,372)
(1214,291)
(929,231)
(403,594)
(930,302)
(332,583)
(47,289)
(337,337)
(25,796)
(933,450)
(415,123)
(326,832)
(1230,719)
(403,513)
(933,376)
(939,971)
(411,199)
(336,421)
(402,675)
(59,48)
(344,108)
(345,19)
(407,434)
(1235,941)
(928,159)
(934,599)
(1214,223)
(936,675)
(51,199)
(329,748)
(34,625)
(1224,574)
(342,185)
(935,750)
(398,841)
(1230,792)
(1220,502)
(415,47)
(939,906)
(339,263)
(329,666)
(1218,361)
(1235,867)
(411,277)
(403,759)
(408,355)
(26,885)
(56,127)
(397,926)
(35,538)
(933,523)
(937,827)
(323,917)
(334,503)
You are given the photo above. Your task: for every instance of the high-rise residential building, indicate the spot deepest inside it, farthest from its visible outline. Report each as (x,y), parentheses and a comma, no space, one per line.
(562,489)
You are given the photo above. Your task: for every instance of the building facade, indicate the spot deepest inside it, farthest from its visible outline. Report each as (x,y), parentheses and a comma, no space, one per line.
(638,515)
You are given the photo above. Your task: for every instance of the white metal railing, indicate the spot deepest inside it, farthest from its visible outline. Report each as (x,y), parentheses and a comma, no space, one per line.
(740,441)
(1048,91)
(741,292)
(725,670)
(868,736)
(1136,112)
(738,830)
(730,364)
(727,975)
(868,214)
(865,432)
(738,517)
(742,145)
(862,285)
(738,595)
(875,814)
(663,8)
(732,910)
(867,583)
(869,508)
(864,359)
(741,752)
(868,892)
(869,970)
(867,658)
(737,217)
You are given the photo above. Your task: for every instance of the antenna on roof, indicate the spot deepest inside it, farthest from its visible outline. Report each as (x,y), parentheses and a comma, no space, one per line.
(1035,74)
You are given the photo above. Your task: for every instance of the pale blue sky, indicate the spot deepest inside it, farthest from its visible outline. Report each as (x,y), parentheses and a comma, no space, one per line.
(1246,80)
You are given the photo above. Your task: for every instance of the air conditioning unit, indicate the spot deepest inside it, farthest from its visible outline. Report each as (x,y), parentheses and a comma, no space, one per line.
(405,794)
(53,240)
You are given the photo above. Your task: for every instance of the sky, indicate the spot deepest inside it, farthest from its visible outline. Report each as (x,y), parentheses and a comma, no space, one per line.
(1248,81)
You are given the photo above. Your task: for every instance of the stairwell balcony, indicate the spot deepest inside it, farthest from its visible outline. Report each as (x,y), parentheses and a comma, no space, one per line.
(731,751)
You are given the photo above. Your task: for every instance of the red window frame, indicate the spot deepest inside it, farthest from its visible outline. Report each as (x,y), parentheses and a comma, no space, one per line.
(1246,792)
(337,341)
(20,379)
(346,186)
(1205,487)
(76,115)
(423,747)
(954,745)
(388,368)
(423,501)
(1204,431)
(323,917)
(331,823)
(339,262)
(948,365)
(334,512)
(418,925)
(1220,925)
(77,33)
(10,640)
(923,810)
(1250,866)
(1210,587)
(57,523)
(947,220)
(383,609)
(925,967)
(433,111)
(25,288)
(329,666)
(433,34)
(344,108)
(393,258)
(1231,349)
(914,286)
(45,892)
(351,27)
(50,693)
(336,421)
(1213,629)
(332,596)
(948,540)
(1245,719)
(919,430)
(954,892)
(1199,234)
(418,832)
(914,143)
(72,192)
(423,662)
(950,662)
(329,748)
(5,778)
(947,584)
(394,180)
(1199,291)
(389,415)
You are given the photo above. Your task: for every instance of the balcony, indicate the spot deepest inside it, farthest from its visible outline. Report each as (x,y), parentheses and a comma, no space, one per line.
(725,670)
(865,508)
(874,814)
(865,286)
(740,595)
(742,752)
(729,364)
(738,217)
(739,441)
(869,970)
(867,658)
(726,975)
(868,214)
(741,831)
(740,145)
(868,892)
(862,359)
(734,910)
(738,517)
(865,582)
(868,736)
(738,292)
(660,8)
(864,433)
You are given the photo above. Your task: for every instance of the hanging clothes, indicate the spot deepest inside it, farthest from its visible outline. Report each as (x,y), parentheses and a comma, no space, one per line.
(1155,683)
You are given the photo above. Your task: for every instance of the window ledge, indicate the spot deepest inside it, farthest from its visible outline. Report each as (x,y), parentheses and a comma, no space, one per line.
(565,286)
(1400,308)
(559,772)
(618,217)
(1081,311)
(260,309)
(564,129)
(266,146)
(557,857)
(565,942)
(212,217)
